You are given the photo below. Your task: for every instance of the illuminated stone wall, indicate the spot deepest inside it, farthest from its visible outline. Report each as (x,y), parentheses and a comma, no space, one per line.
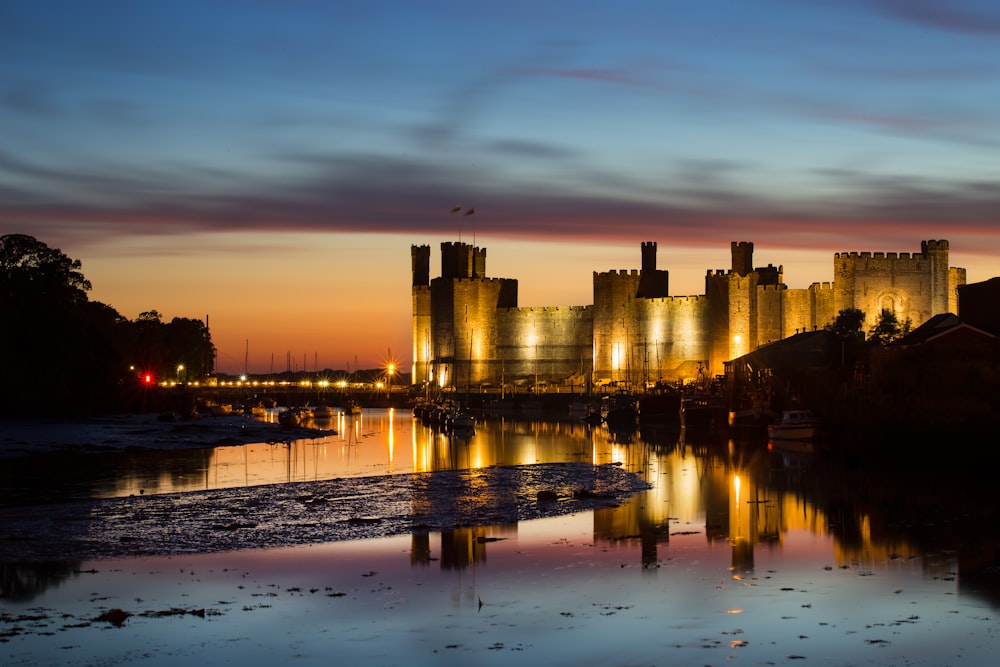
(421,293)
(669,339)
(464,332)
(914,287)
(551,345)
(469,332)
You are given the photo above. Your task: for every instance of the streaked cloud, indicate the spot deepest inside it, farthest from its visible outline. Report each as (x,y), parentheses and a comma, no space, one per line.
(963,16)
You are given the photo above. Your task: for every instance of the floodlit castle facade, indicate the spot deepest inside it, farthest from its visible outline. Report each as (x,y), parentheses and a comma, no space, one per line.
(468,331)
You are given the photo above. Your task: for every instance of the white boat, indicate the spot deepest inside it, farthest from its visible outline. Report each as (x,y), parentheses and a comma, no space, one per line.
(794,425)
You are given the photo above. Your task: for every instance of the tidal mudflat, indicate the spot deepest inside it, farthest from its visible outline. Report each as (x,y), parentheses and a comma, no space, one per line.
(543,592)
(651,553)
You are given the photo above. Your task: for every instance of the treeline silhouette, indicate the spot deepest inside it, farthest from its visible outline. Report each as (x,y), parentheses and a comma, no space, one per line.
(63,354)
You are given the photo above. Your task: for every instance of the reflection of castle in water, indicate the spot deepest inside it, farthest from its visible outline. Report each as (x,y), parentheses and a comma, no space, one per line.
(715,496)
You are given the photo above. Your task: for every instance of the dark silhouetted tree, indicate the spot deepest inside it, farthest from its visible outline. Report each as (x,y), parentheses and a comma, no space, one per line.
(60,353)
(46,346)
(849,323)
(32,273)
(887,328)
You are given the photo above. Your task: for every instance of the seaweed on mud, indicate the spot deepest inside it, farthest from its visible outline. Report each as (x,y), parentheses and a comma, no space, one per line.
(278,515)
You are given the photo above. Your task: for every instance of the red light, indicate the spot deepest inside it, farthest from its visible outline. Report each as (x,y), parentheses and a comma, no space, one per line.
(148,378)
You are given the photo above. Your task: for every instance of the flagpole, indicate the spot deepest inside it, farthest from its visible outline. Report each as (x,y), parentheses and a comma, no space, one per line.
(472,212)
(457,208)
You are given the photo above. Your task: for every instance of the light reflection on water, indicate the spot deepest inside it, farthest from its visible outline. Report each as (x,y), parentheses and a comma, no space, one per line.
(736,554)
(544,592)
(738,495)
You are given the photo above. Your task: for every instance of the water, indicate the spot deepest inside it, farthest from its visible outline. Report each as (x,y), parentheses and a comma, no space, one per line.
(736,554)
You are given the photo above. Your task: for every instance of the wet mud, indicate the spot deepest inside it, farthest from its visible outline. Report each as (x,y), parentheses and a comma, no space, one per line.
(309,512)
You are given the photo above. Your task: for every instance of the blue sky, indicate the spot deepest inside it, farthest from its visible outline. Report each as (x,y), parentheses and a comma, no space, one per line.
(157,133)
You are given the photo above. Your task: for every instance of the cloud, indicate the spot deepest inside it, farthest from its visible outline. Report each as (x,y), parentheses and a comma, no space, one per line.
(943,15)
(31,98)
(703,206)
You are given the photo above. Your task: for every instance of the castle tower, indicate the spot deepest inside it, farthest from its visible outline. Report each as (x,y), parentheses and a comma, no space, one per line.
(653,283)
(649,256)
(461,260)
(936,253)
(420,256)
(913,287)
(421,293)
(455,317)
(742,257)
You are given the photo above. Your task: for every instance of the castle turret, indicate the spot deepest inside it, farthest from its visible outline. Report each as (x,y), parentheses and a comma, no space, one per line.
(649,256)
(653,283)
(742,257)
(420,256)
(461,260)
(937,253)
(421,292)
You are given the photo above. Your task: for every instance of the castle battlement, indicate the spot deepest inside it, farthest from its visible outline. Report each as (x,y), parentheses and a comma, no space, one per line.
(902,256)
(634,328)
(457,244)
(676,300)
(546,310)
(617,272)
(466,280)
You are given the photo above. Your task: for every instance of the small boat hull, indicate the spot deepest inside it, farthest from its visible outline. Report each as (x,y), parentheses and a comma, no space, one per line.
(801,432)
(794,425)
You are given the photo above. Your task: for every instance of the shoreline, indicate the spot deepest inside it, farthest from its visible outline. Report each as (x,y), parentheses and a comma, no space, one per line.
(299,513)
(111,433)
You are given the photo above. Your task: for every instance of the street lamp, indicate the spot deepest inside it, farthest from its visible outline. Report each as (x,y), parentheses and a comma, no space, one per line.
(390,370)
(180,367)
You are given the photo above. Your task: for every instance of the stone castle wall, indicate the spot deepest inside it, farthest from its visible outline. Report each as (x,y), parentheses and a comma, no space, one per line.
(914,286)
(468,330)
(553,344)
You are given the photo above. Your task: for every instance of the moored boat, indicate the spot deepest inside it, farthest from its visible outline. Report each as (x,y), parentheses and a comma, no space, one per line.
(794,425)
(623,412)
(324,412)
(703,413)
(463,421)
(296,416)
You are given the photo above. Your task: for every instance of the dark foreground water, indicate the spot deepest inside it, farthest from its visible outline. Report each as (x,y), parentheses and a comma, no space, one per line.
(661,549)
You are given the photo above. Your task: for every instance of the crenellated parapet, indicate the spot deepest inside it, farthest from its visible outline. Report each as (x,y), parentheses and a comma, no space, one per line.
(420,258)
(742,254)
(613,273)
(468,328)
(912,286)
(546,310)
(461,260)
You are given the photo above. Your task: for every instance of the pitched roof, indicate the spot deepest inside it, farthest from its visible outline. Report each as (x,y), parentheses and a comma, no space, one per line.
(937,327)
(808,349)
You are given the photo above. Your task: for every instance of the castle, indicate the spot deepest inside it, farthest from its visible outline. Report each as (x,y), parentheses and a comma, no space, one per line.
(468,331)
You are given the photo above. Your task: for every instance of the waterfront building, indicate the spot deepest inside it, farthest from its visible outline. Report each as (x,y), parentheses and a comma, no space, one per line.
(470,334)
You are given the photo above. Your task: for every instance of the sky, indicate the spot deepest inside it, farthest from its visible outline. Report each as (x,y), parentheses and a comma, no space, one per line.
(268,163)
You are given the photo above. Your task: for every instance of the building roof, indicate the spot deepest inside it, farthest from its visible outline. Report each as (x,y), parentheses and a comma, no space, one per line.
(810,349)
(940,326)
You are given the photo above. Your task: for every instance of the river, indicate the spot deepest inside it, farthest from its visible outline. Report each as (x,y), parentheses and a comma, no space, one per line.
(727,551)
